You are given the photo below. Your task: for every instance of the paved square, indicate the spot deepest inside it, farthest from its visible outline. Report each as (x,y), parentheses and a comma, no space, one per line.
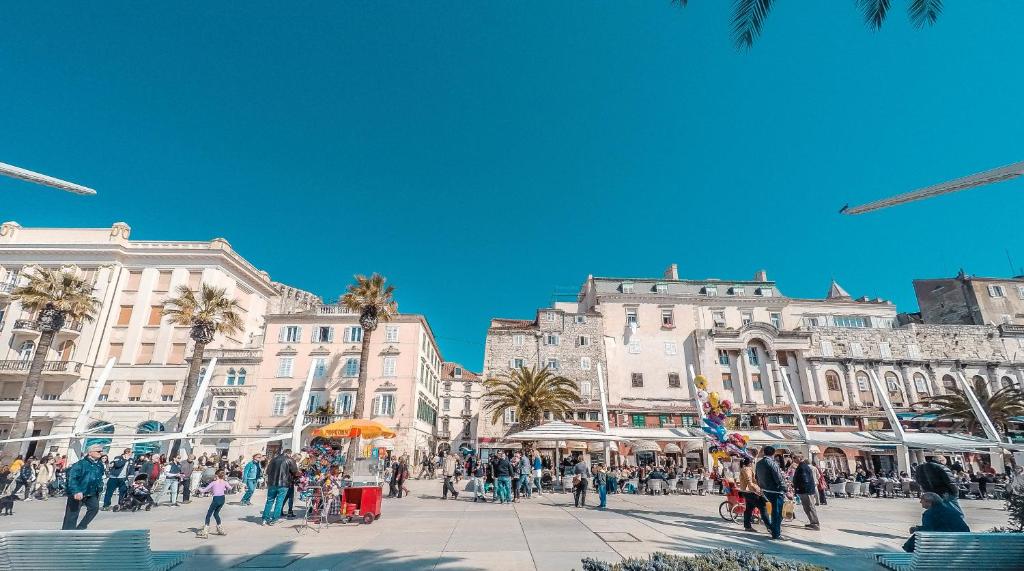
(545,533)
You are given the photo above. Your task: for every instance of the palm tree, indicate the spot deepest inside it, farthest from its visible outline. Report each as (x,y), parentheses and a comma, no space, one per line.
(54,296)
(529,392)
(213,311)
(1001,406)
(749,16)
(375,303)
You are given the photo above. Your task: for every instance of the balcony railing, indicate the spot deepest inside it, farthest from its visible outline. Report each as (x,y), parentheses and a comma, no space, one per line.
(322,419)
(1011,330)
(443,434)
(225,354)
(28,324)
(48,366)
(6,288)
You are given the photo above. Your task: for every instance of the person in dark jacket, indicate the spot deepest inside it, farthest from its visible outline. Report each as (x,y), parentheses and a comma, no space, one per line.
(581,471)
(772,482)
(806,486)
(503,479)
(938,516)
(85,483)
(117,477)
(933,476)
(25,477)
(281,473)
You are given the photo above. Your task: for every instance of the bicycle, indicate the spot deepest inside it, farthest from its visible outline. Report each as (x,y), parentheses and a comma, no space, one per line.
(733,507)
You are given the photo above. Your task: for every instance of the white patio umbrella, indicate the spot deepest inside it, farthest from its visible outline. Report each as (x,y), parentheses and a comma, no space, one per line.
(558,430)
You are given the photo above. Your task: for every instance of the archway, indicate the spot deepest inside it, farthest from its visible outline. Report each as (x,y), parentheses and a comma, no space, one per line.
(147,427)
(835,459)
(103,427)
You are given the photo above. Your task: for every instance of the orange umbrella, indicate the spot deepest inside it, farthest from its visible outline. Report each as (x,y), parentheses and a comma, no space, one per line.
(353,427)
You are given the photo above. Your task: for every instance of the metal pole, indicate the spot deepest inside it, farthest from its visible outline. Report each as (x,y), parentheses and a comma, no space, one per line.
(301,414)
(75,446)
(604,413)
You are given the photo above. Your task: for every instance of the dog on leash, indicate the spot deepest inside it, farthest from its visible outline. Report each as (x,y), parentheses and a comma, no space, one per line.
(7,504)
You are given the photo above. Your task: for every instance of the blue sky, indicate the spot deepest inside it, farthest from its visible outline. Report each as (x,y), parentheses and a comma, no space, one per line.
(497,151)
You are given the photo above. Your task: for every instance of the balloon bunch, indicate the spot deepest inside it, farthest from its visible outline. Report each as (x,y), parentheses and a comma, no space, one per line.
(716,409)
(316,463)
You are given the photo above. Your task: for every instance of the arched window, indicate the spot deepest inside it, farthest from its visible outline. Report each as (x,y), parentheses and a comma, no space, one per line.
(99,427)
(241,377)
(231,376)
(26,350)
(862,382)
(921,384)
(948,381)
(892,382)
(979,381)
(832,380)
(148,427)
(1007,382)
(585,388)
(224,410)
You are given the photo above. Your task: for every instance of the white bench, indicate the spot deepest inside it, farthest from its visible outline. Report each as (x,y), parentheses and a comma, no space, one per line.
(120,550)
(949,550)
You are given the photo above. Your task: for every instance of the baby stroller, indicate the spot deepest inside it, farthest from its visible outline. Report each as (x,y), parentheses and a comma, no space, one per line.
(138,496)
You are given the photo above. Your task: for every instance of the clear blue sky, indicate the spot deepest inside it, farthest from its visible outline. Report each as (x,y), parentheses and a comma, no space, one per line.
(494,151)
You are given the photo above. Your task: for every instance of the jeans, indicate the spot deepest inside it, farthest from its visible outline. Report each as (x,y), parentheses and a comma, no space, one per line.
(478,487)
(807,500)
(774,520)
(289,499)
(602,492)
(275,499)
(17,486)
(214,509)
(613,484)
(752,501)
(580,495)
(172,490)
(448,486)
(250,488)
(502,488)
(112,484)
(524,485)
(92,506)
(185,491)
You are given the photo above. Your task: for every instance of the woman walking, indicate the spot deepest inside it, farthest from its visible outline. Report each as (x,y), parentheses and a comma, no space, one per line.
(172,478)
(218,487)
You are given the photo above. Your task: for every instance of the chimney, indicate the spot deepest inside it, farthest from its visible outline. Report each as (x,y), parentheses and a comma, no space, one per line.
(760,276)
(672,272)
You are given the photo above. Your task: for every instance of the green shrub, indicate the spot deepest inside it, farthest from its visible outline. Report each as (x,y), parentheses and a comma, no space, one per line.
(717,560)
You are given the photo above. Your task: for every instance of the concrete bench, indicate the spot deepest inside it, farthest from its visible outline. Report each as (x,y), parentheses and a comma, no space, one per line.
(45,550)
(947,551)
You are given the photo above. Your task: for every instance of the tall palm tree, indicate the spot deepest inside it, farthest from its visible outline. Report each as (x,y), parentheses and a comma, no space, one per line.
(54,296)
(1000,407)
(529,392)
(207,314)
(749,16)
(374,301)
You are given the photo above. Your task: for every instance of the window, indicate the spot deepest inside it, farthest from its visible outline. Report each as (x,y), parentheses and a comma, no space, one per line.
(826,349)
(746,317)
(756,381)
(637,380)
(391,334)
(195,278)
(343,403)
(581,319)
(811,321)
(832,380)
(850,321)
(776,319)
(518,339)
(145,354)
(124,315)
(51,390)
(583,341)
(26,350)
(765,292)
(723,357)
(510,416)
(241,377)
(862,382)
(634,346)
(134,278)
(1020,291)
(670,348)
(446,403)
(115,350)
(155,315)
(581,415)
(627,287)
(553,364)
(727,381)
(351,368)
(948,382)
(457,372)
(856,349)
(892,382)
(913,351)
(290,334)
(593,415)
(134,392)
(353,334)
(921,384)
(279,402)
(552,339)
(384,405)
(995,291)
(752,357)
(667,319)
(549,316)
(585,363)
(284,366)
(231,377)
(673,380)
(390,366)
(224,410)
(104,393)
(167,392)
(177,354)
(467,405)
(163,281)
(737,290)
(323,334)
(631,316)
(885,350)
(319,367)
(661,288)
(517,363)
(447,386)
(718,317)
(710,290)
(639,421)
(585,389)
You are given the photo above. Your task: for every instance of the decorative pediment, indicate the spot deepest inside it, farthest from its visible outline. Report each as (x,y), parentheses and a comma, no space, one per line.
(288,350)
(390,350)
(351,350)
(387,386)
(320,351)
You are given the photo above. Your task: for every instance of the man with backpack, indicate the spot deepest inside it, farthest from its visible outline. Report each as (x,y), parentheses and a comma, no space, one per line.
(117,477)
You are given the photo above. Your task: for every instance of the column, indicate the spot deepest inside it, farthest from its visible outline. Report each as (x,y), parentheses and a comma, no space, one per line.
(777,380)
(1020,378)
(819,386)
(933,379)
(748,387)
(993,380)
(851,386)
(908,384)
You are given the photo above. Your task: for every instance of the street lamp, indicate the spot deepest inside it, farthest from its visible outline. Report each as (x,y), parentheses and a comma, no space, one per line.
(29,176)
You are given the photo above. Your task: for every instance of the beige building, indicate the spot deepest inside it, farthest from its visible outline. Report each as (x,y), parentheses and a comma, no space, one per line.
(132,279)
(461,391)
(971,300)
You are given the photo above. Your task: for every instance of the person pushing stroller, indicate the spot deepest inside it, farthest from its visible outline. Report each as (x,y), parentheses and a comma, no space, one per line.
(137,498)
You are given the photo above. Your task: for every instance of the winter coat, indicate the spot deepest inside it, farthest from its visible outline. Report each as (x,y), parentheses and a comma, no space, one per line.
(252,470)
(936,478)
(803,479)
(449,465)
(769,476)
(281,472)
(85,477)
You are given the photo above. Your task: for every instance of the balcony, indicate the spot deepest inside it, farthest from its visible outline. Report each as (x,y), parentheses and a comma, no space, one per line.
(324,419)
(19,366)
(71,329)
(444,435)
(227,356)
(1011,330)
(6,289)
(26,326)
(466,413)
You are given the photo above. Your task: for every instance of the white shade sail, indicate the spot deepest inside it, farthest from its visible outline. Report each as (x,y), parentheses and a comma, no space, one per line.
(644,446)
(558,430)
(673,448)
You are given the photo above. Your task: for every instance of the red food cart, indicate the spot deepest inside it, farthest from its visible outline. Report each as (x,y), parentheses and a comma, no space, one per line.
(362,502)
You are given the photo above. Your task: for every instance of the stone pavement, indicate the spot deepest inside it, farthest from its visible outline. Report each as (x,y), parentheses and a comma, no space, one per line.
(546,533)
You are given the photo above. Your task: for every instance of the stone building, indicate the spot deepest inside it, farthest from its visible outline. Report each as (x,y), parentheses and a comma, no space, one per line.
(132,279)
(971,300)
(461,391)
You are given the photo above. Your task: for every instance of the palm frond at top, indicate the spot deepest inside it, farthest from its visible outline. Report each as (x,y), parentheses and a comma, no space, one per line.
(60,290)
(748,20)
(1000,407)
(924,12)
(529,392)
(874,12)
(372,299)
(212,307)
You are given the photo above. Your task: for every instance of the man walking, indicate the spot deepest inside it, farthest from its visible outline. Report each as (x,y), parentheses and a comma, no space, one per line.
(503,479)
(538,471)
(117,478)
(251,475)
(773,484)
(188,465)
(478,473)
(933,476)
(525,487)
(581,470)
(448,467)
(85,482)
(281,474)
(806,486)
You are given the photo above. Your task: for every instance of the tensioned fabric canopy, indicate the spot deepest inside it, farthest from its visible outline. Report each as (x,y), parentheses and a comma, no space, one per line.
(558,430)
(644,446)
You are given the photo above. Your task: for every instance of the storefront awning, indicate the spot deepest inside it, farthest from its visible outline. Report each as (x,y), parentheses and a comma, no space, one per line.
(558,430)
(858,440)
(660,434)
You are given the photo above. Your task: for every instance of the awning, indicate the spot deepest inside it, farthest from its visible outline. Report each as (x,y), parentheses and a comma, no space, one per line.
(643,446)
(558,430)
(857,440)
(920,417)
(672,448)
(662,434)
(936,442)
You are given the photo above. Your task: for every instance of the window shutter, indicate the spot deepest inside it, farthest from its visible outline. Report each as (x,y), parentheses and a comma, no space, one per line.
(330,334)
(280,334)
(316,335)
(298,334)
(511,363)
(375,407)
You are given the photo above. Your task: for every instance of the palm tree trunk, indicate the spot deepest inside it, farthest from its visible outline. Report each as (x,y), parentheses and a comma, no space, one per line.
(29,391)
(357,408)
(189,394)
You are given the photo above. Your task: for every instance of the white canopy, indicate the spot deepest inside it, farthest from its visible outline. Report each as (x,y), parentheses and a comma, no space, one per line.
(558,430)
(665,434)
(644,446)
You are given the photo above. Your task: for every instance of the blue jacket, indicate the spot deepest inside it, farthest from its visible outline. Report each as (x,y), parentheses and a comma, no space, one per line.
(252,470)
(85,477)
(941,517)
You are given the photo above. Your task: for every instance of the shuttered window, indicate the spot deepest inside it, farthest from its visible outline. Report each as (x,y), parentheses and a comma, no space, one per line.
(124,316)
(194,280)
(133,281)
(177,355)
(145,354)
(167,392)
(135,392)
(156,313)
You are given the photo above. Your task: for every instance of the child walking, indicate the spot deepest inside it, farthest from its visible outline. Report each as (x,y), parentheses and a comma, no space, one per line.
(218,486)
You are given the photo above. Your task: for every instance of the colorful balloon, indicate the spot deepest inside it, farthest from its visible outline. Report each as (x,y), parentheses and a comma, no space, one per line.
(701,382)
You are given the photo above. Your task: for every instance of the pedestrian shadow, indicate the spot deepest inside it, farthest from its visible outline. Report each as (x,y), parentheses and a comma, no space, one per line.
(289,555)
(873,534)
